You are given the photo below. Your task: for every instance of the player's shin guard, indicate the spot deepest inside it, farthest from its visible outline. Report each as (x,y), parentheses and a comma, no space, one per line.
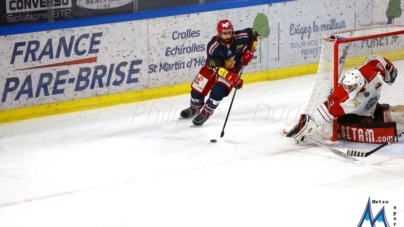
(206,112)
(196,105)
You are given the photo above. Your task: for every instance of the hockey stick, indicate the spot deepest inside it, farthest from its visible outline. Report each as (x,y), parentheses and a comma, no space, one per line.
(356,153)
(335,151)
(231,103)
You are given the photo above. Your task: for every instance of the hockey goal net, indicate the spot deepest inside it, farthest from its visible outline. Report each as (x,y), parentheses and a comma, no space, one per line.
(386,41)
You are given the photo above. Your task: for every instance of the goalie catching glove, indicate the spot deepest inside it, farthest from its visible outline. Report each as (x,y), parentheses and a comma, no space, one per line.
(391,73)
(231,77)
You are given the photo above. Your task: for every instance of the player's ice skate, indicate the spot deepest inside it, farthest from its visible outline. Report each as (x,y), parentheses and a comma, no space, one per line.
(206,112)
(188,113)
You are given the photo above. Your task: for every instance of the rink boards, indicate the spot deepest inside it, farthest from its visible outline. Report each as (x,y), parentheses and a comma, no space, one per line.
(73,69)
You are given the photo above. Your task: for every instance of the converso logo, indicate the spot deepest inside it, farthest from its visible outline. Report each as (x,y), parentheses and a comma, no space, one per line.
(19,6)
(379,220)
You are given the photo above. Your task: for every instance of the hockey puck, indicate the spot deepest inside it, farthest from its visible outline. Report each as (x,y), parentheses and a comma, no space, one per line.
(213,141)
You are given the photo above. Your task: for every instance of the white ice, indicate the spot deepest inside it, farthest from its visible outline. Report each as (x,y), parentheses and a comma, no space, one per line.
(139,165)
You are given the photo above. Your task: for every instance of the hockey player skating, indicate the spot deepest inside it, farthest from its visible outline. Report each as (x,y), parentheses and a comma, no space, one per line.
(355,100)
(226,54)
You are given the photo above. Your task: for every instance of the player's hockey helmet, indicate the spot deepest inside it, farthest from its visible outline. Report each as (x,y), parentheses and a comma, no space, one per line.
(224,26)
(353,81)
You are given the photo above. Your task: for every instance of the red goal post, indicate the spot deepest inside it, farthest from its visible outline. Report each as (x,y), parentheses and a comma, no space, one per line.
(384,40)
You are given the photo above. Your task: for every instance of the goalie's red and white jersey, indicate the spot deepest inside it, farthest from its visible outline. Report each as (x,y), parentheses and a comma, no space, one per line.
(339,103)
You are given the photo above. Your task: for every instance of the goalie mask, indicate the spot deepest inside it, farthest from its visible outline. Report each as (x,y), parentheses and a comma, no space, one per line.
(225,31)
(353,82)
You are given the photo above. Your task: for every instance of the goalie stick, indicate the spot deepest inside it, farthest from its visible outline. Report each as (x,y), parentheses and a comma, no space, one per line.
(335,151)
(356,153)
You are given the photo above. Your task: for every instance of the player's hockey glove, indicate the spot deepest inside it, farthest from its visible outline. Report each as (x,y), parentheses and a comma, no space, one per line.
(247,56)
(232,77)
(234,80)
(391,73)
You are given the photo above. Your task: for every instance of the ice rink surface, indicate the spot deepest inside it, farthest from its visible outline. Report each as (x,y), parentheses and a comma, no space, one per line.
(139,165)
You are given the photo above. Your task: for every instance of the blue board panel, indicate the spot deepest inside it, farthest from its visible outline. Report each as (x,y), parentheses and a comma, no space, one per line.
(147,14)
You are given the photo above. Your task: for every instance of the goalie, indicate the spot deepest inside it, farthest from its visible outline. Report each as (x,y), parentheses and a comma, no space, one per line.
(355,100)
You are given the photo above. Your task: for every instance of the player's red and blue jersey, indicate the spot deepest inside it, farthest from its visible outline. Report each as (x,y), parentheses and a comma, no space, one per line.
(229,55)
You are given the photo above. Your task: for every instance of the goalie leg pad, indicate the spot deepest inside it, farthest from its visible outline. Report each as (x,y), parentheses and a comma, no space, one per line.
(298,126)
(305,127)
(307,130)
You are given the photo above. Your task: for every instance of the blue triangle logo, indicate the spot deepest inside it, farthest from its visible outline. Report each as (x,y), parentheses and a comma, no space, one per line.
(368,220)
